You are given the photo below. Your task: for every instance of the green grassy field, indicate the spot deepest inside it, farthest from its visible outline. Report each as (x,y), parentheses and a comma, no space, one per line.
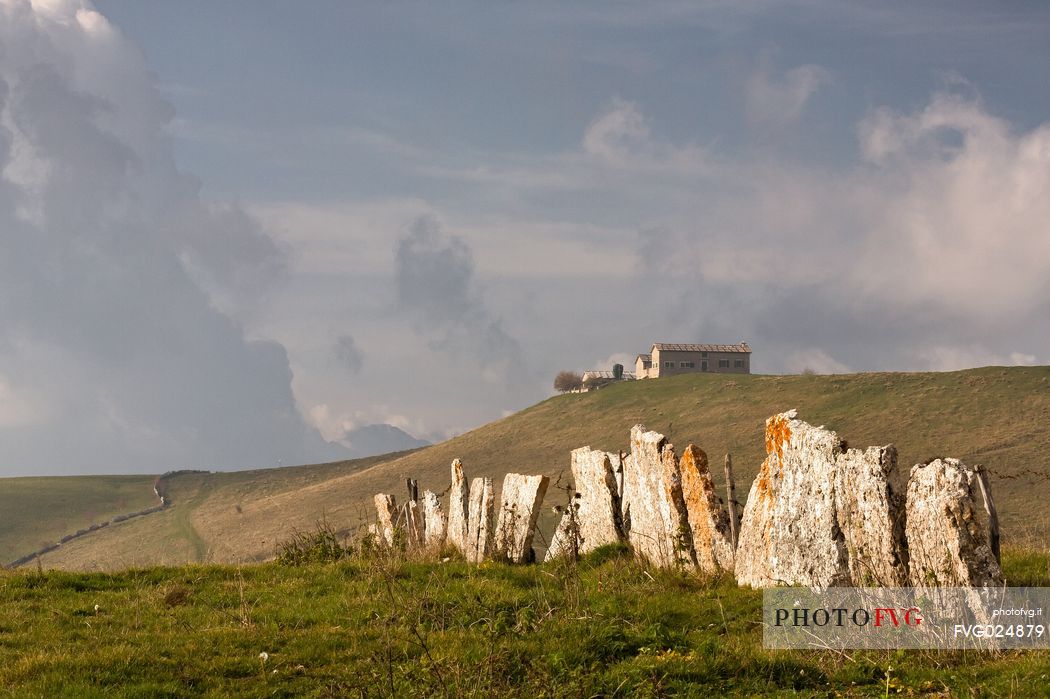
(371,626)
(996,416)
(35,512)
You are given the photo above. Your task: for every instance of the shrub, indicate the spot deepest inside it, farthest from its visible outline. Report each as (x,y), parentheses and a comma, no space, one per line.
(567,381)
(319,546)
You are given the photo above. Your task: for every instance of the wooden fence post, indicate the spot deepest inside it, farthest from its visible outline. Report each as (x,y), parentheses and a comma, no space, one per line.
(993,515)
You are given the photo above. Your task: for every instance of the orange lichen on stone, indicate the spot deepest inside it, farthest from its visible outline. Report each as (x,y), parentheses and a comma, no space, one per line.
(708,518)
(762,485)
(778,432)
(694,467)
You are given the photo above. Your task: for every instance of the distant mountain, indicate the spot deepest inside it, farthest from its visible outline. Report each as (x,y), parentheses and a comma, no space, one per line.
(371,440)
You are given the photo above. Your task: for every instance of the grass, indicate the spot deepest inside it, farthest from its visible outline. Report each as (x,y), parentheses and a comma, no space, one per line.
(40,510)
(995,415)
(166,538)
(376,626)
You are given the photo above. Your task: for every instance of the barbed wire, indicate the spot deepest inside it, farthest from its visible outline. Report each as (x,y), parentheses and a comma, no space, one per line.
(1015,474)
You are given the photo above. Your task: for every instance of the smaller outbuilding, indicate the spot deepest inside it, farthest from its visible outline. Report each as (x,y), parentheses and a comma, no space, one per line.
(596,378)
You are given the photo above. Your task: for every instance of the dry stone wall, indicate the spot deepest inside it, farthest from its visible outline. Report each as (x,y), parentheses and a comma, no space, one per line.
(822,515)
(818,514)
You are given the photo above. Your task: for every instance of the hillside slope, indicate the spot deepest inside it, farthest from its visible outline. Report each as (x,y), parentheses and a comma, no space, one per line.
(37,511)
(996,416)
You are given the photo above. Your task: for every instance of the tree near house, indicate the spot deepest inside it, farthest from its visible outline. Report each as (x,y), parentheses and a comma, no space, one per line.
(567,381)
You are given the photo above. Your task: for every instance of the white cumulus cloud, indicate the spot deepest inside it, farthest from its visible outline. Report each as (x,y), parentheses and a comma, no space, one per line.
(123,295)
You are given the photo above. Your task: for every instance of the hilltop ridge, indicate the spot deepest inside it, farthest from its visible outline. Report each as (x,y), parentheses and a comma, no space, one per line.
(995,415)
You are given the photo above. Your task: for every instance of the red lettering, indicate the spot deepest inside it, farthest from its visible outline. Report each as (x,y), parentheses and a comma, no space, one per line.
(879,611)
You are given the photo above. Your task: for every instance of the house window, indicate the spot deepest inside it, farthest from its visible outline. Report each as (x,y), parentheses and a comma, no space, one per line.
(723,363)
(668,365)
(687,365)
(738,363)
(703,365)
(704,355)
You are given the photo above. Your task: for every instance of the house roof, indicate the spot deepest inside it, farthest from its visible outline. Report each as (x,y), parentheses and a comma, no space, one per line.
(644,357)
(675,347)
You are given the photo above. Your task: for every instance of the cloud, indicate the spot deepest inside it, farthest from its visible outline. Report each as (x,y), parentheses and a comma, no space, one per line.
(964,210)
(333,238)
(955,357)
(619,137)
(816,361)
(349,354)
(606,364)
(772,98)
(17,409)
(436,287)
(617,133)
(937,236)
(124,295)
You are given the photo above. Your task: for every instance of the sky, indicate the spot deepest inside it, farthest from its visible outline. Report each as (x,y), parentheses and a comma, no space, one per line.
(233,233)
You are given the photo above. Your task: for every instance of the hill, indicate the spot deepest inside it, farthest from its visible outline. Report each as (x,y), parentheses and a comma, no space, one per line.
(995,416)
(38,511)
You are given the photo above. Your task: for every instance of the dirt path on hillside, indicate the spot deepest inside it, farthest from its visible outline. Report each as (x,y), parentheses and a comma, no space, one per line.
(184,521)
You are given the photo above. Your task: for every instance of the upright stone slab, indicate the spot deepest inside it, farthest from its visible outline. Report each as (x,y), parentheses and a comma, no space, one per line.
(707,515)
(566,535)
(871,515)
(789,533)
(374,536)
(678,524)
(385,516)
(595,505)
(820,515)
(458,504)
(480,521)
(414,524)
(520,502)
(434,523)
(947,543)
(653,505)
